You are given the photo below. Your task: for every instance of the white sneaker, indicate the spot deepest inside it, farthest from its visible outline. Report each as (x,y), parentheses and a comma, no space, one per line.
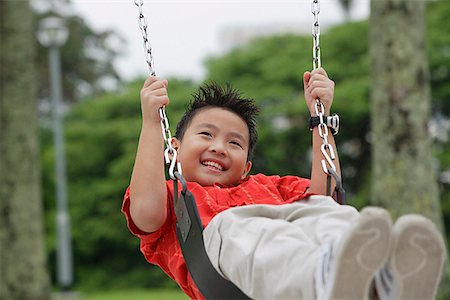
(347,271)
(416,262)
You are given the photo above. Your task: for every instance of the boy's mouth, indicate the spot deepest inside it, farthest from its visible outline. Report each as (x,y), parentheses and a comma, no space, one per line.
(212,164)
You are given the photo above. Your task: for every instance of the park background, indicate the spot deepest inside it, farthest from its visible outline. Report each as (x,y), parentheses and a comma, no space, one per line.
(102,122)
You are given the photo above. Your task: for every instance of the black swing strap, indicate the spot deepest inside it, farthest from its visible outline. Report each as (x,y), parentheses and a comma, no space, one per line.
(190,237)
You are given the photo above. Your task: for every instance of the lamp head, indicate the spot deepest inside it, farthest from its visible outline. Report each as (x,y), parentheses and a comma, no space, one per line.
(52,32)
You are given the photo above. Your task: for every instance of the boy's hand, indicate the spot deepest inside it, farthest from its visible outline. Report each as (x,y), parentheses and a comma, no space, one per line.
(318,85)
(153,96)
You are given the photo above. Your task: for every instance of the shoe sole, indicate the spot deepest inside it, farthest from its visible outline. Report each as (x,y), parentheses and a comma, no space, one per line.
(363,250)
(417,258)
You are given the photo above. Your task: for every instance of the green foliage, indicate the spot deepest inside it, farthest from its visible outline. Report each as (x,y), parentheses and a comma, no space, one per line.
(439,53)
(439,60)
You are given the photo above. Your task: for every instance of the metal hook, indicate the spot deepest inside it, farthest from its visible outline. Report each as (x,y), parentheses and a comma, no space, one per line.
(174,165)
(328,158)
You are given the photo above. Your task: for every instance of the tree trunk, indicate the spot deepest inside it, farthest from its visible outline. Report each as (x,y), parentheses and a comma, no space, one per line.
(404,175)
(23,257)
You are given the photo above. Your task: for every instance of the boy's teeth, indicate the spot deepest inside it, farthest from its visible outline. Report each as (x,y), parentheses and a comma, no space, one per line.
(213,164)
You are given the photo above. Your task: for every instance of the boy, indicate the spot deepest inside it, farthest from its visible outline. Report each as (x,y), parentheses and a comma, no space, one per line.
(272,236)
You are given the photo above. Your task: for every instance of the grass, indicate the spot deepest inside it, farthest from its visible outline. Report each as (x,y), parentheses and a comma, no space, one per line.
(151,294)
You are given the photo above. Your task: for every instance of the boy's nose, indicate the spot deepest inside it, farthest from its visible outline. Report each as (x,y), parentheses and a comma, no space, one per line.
(218,147)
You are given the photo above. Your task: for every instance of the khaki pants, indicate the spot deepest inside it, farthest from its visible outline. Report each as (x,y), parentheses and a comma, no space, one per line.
(271,251)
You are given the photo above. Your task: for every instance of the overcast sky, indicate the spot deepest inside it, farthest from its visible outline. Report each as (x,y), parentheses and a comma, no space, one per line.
(184,32)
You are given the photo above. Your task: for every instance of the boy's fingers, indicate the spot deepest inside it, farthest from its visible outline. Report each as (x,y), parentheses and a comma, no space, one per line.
(320,92)
(320,71)
(159,84)
(306,78)
(150,80)
(153,79)
(160,91)
(164,100)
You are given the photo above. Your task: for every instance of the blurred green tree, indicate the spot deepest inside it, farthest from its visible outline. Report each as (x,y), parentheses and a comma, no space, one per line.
(439,62)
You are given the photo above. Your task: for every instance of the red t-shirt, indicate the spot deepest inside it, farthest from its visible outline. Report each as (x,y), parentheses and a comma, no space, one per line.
(161,247)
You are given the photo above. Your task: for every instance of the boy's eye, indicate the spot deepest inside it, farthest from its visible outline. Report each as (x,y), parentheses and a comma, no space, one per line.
(236,143)
(205,133)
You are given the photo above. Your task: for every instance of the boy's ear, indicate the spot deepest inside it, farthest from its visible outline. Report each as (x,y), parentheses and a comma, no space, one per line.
(175,143)
(248,166)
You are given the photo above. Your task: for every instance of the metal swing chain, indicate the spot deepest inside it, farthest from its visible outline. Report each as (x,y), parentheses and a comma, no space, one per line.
(143,27)
(326,148)
(170,154)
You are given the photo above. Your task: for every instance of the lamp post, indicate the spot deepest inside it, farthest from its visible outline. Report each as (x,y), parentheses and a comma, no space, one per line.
(52,33)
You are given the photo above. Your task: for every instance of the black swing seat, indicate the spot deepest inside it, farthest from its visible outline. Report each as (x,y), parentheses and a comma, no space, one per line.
(190,237)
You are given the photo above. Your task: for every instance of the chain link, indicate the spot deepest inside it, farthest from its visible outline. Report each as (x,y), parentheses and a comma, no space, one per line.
(170,154)
(315,8)
(143,26)
(326,148)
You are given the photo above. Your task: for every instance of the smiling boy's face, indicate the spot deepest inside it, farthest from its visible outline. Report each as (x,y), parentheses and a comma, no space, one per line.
(214,148)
